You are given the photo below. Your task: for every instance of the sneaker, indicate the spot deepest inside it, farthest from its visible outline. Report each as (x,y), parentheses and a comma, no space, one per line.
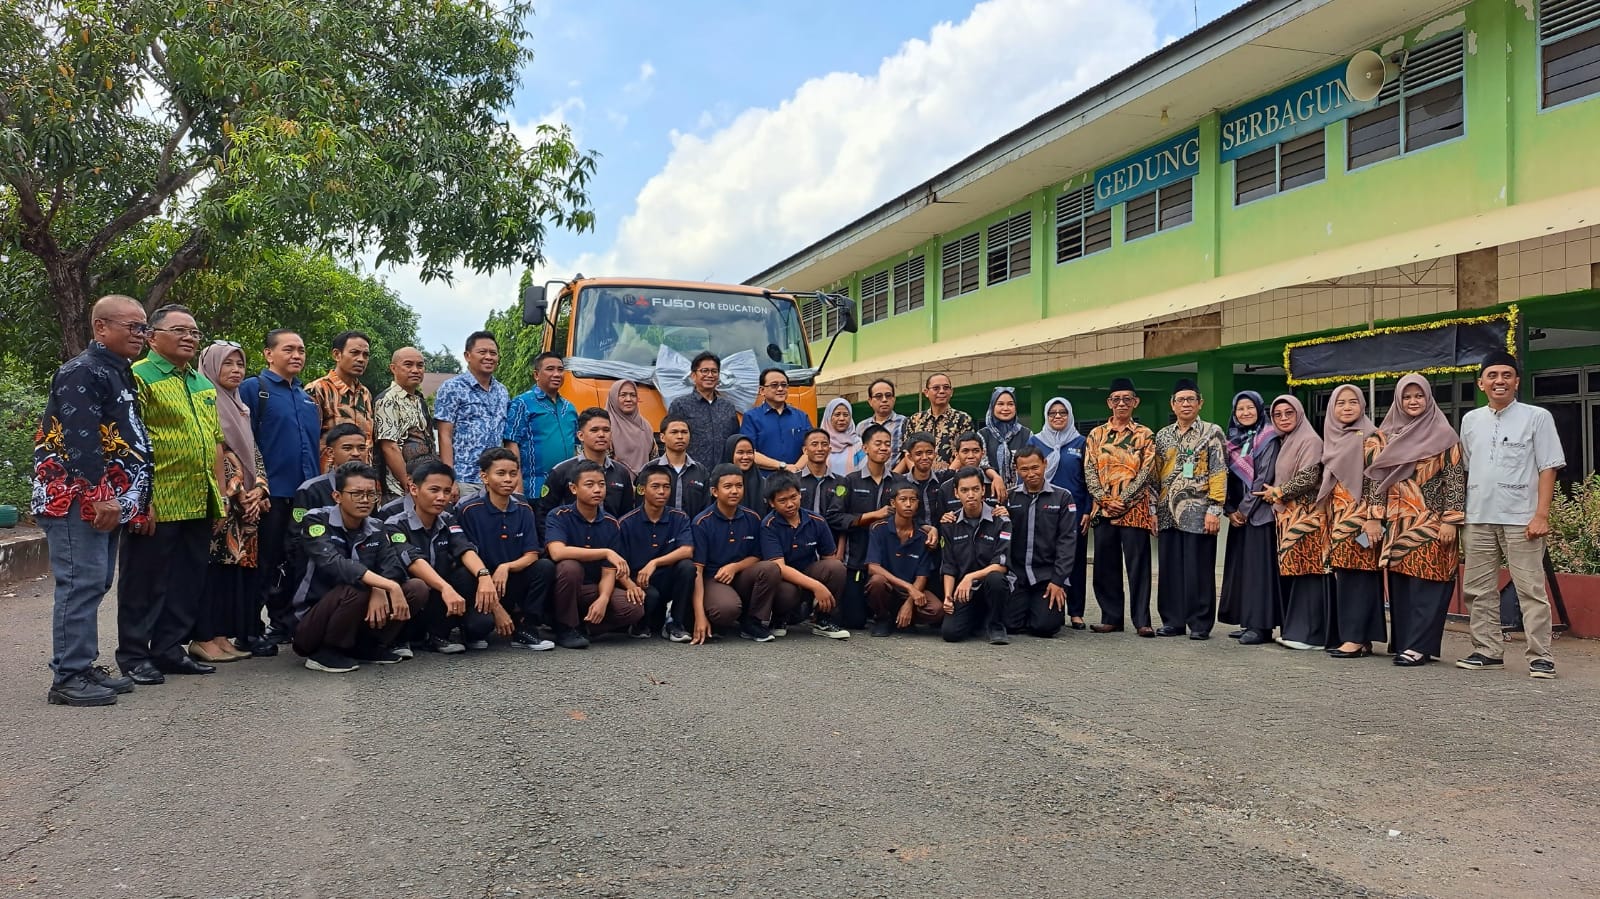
(753,630)
(102,675)
(675,634)
(571,638)
(830,630)
(1480,662)
(1544,669)
(780,630)
(882,627)
(532,642)
(477,645)
(81,690)
(380,657)
(331,662)
(997,635)
(639,631)
(404,651)
(445,645)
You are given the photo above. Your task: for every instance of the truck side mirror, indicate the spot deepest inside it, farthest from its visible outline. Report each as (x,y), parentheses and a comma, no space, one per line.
(534,306)
(847,316)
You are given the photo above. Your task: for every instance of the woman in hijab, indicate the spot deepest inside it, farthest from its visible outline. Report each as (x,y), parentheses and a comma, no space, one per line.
(1421,487)
(1251,592)
(1302,528)
(1349,443)
(232,583)
(1063,467)
(632,440)
(739,450)
(1003,435)
(844,444)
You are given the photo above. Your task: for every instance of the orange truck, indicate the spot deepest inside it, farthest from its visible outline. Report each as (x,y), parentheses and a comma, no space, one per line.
(613,328)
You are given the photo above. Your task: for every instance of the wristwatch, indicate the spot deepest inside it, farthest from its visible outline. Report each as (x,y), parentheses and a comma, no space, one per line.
(483,572)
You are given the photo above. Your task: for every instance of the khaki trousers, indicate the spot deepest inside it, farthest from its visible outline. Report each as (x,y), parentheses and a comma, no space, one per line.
(1487,547)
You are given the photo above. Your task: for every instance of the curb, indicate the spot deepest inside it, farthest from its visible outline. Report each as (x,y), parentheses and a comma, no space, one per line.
(24,554)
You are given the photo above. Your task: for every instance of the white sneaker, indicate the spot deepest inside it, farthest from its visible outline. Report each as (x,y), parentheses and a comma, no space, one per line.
(442,645)
(779,630)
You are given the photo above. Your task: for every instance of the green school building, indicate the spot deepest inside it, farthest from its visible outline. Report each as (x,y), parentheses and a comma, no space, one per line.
(1232,194)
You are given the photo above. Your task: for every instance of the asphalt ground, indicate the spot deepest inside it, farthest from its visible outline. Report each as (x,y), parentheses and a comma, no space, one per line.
(1088,765)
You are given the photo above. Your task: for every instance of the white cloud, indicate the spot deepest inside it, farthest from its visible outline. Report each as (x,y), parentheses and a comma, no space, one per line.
(642,84)
(773,180)
(568,112)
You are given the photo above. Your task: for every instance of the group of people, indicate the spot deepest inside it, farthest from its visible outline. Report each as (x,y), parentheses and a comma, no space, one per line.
(358,529)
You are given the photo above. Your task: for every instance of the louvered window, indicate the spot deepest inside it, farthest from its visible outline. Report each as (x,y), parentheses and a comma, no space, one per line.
(1010,248)
(909,285)
(1422,107)
(818,319)
(959,270)
(1079,229)
(1279,167)
(875,298)
(1159,210)
(1569,49)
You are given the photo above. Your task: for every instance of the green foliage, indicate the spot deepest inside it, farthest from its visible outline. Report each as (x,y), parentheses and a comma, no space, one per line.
(444,361)
(21,404)
(1575,528)
(519,343)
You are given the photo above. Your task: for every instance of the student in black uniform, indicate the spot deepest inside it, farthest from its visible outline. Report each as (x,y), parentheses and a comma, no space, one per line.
(354,597)
(922,454)
(819,486)
(657,544)
(436,550)
(343,443)
(975,558)
(900,565)
(583,539)
(1044,546)
(800,543)
(500,523)
(594,444)
(968,454)
(866,503)
(691,488)
(736,586)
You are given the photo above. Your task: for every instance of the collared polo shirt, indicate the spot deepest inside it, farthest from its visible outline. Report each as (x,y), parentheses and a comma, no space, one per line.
(800,545)
(905,559)
(719,540)
(1505,452)
(179,407)
(711,423)
(342,402)
(478,416)
(779,435)
(545,429)
(288,430)
(500,537)
(567,525)
(642,540)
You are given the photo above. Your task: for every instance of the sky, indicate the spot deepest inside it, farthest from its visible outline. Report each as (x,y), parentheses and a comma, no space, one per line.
(733,134)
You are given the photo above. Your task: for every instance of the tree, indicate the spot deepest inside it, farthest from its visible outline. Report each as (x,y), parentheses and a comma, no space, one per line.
(443,361)
(355,126)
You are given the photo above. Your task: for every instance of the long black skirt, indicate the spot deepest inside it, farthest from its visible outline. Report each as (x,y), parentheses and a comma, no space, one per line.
(1307,606)
(230,607)
(1251,586)
(1358,596)
(1418,608)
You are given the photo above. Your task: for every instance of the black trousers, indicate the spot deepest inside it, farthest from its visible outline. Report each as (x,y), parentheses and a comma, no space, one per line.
(986,609)
(527,598)
(474,625)
(277,585)
(1187,593)
(1115,546)
(851,612)
(1029,610)
(1418,608)
(1078,590)
(671,592)
(1358,597)
(159,589)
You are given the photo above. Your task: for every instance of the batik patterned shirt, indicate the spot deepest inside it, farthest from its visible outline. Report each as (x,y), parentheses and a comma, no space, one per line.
(339,402)
(91,445)
(1191,476)
(401,417)
(478,415)
(944,428)
(1118,464)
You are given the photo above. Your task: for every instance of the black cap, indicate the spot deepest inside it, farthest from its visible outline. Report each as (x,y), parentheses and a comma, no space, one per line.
(1185,384)
(1498,357)
(1120,384)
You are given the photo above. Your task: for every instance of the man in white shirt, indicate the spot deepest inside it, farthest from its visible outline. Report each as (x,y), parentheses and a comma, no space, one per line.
(1512,452)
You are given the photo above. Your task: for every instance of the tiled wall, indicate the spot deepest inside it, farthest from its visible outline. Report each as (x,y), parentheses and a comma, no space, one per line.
(1555,263)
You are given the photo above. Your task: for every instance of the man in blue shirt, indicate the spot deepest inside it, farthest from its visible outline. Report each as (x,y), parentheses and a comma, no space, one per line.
(899,564)
(583,541)
(801,544)
(288,428)
(736,586)
(777,429)
(470,411)
(541,427)
(500,523)
(658,545)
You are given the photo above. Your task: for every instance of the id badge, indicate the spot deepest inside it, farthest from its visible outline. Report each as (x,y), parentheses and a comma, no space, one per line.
(1188,469)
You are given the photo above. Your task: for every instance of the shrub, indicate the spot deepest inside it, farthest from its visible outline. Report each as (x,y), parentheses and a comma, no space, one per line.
(1575,528)
(21,404)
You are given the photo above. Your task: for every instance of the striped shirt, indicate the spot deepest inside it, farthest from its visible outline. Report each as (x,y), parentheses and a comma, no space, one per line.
(179,408)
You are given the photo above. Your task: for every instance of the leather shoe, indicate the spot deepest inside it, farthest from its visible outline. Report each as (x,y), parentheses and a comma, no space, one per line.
(145,674)
(1236,634)
(1253,637)
(1147,632)
(1105,628)
(184,665)
(258,646)
(1199,635)
(1170,631)
(1077,625)
(1359,653)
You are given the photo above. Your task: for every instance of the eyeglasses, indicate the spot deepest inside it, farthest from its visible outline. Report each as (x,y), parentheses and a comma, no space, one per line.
(231,345)
(361,496)
(181,332)
(941,388)
(1122,400)
(1283,413)
(779,385)
(1186,400)
(138,329)
(708,371)
(880,396)
(1058,413)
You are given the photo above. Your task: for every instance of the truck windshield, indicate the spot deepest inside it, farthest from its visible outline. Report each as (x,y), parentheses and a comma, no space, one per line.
(630,324)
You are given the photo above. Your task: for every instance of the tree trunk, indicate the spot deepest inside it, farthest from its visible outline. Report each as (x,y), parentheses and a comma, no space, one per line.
(70,295)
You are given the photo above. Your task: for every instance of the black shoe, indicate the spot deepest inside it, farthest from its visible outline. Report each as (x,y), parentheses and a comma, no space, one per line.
(1169,631)
(1543,669)
(276,636)
(1411,660)
(102,675)
(259,646)
(330,662)
(1357,653)
(882,627)
(184,665)
(1236,633)
(1078,625)
(145,674)
(1252,637)
(1480,662)
(378,656)
(1200,635)
(81,690)
(997,635)
(571,638)
(751,629)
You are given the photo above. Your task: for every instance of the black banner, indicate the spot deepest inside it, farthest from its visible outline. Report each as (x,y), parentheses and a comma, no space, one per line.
(1437,347)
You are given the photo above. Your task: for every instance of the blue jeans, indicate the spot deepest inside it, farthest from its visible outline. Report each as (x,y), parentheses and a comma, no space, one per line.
(84,561)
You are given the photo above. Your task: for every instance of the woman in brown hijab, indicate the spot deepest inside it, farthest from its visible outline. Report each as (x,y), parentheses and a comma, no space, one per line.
(632,438)
(231,578)
(1302,528)
(1349,442)
(1420,477)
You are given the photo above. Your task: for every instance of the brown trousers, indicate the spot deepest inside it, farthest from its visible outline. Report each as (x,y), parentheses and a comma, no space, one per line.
(885,600)
(752,594)
(571,598)
(789,596)
(339,620)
